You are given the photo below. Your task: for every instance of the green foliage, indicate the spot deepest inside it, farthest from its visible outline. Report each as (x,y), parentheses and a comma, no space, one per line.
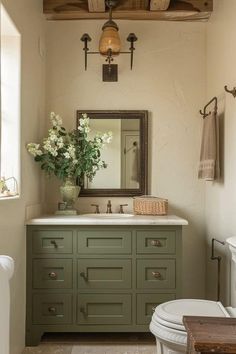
(70,154)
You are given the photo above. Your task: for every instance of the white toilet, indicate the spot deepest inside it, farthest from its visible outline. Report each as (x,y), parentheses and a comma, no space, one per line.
(167,325)
(6,272)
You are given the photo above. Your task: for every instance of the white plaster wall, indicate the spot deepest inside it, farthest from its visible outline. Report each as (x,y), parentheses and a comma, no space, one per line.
(27,15)
(168,80)
(221,197)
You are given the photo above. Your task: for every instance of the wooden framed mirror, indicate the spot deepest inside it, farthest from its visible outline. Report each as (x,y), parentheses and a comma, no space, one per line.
(126,156)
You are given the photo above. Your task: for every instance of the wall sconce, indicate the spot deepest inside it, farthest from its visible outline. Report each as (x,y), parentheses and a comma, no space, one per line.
(110,46)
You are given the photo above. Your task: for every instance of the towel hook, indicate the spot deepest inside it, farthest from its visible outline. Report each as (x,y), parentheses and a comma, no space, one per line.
(233,91)
(204,113)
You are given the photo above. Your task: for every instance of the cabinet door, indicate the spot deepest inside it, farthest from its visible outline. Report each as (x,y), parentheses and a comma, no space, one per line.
(157,241)
(52,273)
(101,309)
(146,304)
(156,274)
(104,242)
(104,273)
(52,241)
(52,308)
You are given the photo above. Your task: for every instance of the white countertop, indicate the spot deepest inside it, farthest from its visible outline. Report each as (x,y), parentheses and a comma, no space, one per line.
(107,219)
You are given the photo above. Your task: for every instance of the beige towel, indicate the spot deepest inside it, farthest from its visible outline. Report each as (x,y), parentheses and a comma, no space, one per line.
(209,168)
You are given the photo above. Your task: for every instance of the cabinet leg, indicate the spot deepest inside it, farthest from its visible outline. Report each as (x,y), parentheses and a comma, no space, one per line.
(33,337)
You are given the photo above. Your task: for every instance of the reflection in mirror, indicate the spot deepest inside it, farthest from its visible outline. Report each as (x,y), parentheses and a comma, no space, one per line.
(125,156)
(122,155)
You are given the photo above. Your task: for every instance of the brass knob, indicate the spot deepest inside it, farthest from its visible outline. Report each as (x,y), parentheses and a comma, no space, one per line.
(156,275)
(53,242)
(52,309)
(82,310)
(52,275)
(156,243)
(82,274)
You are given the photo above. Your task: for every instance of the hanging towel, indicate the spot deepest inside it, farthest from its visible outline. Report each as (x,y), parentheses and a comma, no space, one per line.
(135,166)
(209,168)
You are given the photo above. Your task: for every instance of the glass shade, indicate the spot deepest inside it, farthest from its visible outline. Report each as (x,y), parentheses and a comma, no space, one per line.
(110,39)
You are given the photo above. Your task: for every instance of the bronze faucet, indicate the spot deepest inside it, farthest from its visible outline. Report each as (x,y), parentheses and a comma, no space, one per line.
(109,211)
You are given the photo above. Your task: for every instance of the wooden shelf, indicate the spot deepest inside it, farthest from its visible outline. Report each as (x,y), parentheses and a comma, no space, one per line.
(210,334)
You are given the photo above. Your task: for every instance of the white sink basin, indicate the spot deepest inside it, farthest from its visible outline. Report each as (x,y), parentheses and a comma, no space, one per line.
(108,216)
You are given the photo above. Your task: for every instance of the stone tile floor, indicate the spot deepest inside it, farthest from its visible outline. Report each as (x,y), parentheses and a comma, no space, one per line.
(120,343)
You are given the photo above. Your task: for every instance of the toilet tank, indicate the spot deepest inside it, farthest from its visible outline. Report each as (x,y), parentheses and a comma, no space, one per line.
(232,247)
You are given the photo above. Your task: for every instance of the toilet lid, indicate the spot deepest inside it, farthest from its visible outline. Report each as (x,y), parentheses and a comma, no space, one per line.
(170,314)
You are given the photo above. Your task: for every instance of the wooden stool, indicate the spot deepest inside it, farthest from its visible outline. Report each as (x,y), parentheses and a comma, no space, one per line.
(210,334)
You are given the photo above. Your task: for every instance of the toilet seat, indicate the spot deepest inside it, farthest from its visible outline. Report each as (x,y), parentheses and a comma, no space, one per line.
(167,320)
(170,314)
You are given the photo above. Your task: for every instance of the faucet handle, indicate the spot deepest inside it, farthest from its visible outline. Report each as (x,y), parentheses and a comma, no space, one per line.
(97,211)
(109,211)
(121,211)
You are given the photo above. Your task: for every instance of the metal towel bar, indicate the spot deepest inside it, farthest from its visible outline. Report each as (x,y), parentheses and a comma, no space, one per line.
(218,258)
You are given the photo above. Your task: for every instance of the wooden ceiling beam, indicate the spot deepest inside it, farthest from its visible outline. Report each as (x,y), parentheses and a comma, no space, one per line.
(132,5)
(188,10)
(159,5)
(96,5)
(191,5)
(186,5)
(138,15)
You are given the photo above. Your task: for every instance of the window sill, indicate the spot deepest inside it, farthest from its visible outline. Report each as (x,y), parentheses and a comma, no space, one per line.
(10,197)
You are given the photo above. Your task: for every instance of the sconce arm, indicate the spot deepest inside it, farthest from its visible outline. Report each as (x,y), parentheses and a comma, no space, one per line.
(131,38)
(85,38)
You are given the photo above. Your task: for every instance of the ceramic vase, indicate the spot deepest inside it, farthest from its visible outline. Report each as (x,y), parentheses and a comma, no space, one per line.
(70,192)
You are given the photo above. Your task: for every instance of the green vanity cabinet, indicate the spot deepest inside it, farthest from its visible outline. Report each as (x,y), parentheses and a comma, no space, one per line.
(103,309)
(99,278)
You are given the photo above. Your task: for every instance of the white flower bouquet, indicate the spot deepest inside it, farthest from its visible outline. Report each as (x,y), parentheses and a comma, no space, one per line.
(70,154)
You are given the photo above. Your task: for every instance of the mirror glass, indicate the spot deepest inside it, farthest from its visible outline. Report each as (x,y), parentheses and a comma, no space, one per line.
(124,155)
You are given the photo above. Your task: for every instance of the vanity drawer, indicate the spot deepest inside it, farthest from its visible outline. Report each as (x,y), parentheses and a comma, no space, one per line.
(102,309)
(156,274)
(146,304)
(104,273)
(104,242)
(52,241)
(52,309)
(52,274)
(156,242)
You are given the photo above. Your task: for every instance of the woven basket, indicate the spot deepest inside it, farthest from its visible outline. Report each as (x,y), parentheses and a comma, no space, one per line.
(148,205)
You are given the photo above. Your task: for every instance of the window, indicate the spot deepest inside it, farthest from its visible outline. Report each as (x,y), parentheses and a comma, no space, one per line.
(10,107)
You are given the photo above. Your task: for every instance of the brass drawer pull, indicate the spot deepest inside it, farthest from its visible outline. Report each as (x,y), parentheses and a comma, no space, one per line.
(156,275)
(52,309)
(52,275)
(53,242)
(82,274)
(156,243)
(82,310)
